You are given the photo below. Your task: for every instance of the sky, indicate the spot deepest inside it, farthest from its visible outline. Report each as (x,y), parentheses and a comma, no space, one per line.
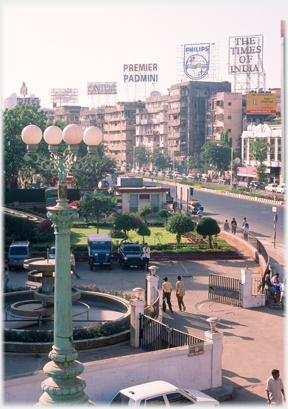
(66,44)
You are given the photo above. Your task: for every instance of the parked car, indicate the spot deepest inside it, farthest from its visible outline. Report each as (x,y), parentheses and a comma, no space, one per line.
(130,255)
(195,206)
(223,181)
(161,393)
(100,250)
(169,199)
(256,185)
(281,188)
(18,252)
(51,201)
(271,187)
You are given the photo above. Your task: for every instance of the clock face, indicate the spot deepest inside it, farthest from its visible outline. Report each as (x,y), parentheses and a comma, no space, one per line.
(196,67)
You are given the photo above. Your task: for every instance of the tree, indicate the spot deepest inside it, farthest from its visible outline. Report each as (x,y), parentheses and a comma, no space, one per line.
(193,162)
(218,156)
(142,155)
(163,213)
(258,151)
(144,231)
(160,160)
(93,205)
(127,221)
(14,120)
(179,224)
(95,168)
(145,211)
(208,227)
(224,140)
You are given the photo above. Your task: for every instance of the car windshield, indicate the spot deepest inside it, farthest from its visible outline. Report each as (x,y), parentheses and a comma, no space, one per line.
(120,400)
(101,245)
(18,251)
(132,249)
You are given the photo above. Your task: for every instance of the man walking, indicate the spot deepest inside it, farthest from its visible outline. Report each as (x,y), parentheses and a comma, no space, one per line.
(275,388)
(234,225)
(146,256)
(72,261)
(167,291)
(180,292)
(244,222)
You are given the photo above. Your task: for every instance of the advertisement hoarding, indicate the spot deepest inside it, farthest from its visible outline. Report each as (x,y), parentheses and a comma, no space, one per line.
(196,60)
(262,103)
(63,95)
(101,88)
(140,72)
(245,54)
(246,171)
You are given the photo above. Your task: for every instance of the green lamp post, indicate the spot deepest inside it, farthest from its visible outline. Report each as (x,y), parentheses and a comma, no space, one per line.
(63,385)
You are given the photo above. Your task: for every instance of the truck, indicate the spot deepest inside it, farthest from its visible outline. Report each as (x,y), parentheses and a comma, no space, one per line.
(194,206)
(100,250)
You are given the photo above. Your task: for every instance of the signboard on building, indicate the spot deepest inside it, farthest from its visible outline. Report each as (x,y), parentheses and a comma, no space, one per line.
(196,60)
(24,90)
(262,103)
(245,54)
(64,95)
(101,88)
(29,100)
(246,171)
(140,73)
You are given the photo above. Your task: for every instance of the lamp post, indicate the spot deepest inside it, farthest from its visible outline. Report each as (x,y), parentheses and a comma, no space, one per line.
(64,384)
(225,146)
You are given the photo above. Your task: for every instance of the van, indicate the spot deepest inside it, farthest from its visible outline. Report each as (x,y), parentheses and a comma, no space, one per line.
(100,250)
(18,252)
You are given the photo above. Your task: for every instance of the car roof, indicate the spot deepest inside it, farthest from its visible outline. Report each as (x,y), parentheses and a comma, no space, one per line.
(99,237)
(20,243)
(147,389)
(130,242)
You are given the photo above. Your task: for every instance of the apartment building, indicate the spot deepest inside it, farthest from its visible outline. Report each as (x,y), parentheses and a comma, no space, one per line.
(92,117)
(151,123)
(119,131)
(272,134)
(186,117)
(224,111)
(67,113)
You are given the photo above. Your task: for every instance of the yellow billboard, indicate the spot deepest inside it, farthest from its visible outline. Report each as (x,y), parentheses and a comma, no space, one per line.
(263,103)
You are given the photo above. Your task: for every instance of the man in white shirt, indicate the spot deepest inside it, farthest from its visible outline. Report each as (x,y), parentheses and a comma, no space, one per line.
(180,292)
(146,256)
(275,389)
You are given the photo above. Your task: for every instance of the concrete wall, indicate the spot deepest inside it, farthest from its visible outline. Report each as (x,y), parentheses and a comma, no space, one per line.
(106,377)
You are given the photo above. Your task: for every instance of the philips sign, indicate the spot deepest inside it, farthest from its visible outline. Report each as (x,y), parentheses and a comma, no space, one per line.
(140,73)
(196,60)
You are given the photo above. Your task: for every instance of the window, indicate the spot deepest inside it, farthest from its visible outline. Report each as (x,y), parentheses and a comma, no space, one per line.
(178,399)
(155,202)
(158,400)
(229,116)
(133,203)
(229,104)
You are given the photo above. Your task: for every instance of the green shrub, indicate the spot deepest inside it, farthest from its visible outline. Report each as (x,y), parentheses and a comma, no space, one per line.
(19,228)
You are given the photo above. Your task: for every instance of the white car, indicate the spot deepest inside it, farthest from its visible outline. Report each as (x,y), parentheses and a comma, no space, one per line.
(161,393)
(271,187)
(281,188)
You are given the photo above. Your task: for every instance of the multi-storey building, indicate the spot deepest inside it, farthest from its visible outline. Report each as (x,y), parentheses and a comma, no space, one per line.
(272,134)
(224,111)
(186,117)
(67,113)
(92,117)
(151,123)
(119,131)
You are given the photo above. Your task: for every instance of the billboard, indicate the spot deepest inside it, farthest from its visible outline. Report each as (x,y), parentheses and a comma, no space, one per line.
(101,88)
(28,100)
(246,171)
(245,54)
(140,72)
(262,103)
(64,95)
(196,60)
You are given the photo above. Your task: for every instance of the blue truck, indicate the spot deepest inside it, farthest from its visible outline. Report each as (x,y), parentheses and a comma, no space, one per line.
(100,250)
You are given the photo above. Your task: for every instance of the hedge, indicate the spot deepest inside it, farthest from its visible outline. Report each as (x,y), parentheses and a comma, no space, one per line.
(34,195)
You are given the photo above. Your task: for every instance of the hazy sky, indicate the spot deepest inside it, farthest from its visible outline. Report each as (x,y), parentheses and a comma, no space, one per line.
(65,44)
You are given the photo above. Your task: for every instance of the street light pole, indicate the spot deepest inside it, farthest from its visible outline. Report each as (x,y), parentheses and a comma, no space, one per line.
(64,384)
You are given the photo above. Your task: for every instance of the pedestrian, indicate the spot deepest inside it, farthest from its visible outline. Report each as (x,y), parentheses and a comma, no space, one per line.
(275,279)
(167,291)
(6,278)
(234,225)
(200,214)
(226,225)
(180,292)
(72,261)
(246,231)
(146,256)
(283,295)
(275,388)
(244,221)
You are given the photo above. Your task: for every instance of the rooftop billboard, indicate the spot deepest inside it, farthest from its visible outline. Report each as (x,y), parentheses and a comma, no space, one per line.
(262,103)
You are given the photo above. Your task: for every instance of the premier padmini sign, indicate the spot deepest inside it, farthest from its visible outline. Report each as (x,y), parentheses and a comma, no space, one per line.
(262,103)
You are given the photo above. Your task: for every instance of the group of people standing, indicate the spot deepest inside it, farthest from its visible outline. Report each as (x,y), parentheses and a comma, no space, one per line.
(245,227)
(167,291)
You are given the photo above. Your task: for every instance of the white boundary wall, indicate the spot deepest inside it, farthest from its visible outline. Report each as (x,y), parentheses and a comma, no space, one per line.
(106,377)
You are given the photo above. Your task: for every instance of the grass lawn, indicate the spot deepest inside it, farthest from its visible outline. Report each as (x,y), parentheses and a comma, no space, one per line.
(158,235)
